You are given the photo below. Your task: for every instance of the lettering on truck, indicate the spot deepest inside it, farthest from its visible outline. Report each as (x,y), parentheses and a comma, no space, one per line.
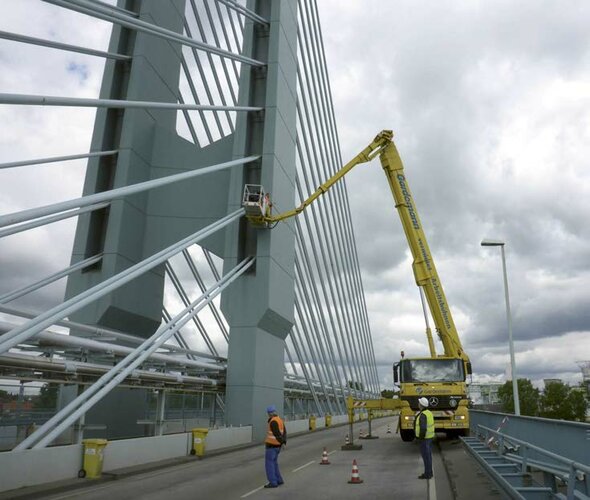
(443,306)
(434,391)
(408,199)
(424,254)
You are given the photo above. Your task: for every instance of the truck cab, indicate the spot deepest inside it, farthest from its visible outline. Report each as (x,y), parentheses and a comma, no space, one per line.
(441,380)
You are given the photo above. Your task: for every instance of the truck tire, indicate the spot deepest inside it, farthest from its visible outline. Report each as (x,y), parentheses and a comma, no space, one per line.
(407,435)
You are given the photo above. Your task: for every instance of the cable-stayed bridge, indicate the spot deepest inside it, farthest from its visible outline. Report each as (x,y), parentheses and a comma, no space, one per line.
(196,99)
(165,292)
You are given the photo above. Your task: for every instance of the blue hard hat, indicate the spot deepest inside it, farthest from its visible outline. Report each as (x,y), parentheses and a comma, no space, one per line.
(271,409)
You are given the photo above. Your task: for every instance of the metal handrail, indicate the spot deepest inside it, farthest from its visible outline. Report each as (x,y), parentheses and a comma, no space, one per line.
(505,438)
(572,472)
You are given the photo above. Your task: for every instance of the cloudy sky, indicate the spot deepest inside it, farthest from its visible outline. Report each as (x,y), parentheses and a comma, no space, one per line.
(490,106)
(29,132)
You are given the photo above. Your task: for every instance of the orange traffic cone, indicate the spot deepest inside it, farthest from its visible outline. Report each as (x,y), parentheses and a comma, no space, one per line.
(388,429)
(361,434)
(346,441)
(355,479)
(325,460)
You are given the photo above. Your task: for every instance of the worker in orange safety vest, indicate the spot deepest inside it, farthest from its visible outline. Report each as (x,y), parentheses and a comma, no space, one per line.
(276,438)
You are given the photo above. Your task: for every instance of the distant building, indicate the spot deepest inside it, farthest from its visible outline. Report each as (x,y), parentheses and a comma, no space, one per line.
(548,381)
(484,393)
(585,367)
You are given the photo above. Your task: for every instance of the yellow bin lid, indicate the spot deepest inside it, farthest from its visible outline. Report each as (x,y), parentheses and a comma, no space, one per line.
(97,442)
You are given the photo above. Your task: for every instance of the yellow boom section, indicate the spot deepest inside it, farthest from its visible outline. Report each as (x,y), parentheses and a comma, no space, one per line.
(423,264)
(366,155)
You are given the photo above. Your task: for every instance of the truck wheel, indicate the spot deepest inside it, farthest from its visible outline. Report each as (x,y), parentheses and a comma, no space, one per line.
(81,473)
(406,435)
(452,434)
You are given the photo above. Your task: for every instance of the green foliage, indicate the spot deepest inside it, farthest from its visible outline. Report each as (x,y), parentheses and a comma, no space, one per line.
(387,394)
(355,385)
(579,404)
(6,396)
(560,401)
(47,398)
(528,397)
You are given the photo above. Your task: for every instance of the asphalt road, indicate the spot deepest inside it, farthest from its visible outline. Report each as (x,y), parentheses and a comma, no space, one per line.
(388,467)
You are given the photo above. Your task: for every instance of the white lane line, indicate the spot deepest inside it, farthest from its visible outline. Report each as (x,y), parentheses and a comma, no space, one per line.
(305,465)
(294,470)
(431,488)
(253,491)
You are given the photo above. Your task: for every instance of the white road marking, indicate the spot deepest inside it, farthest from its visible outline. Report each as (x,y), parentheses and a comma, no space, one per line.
(305,465)
(294,470)
(334,451)
(253,491)
(431,488)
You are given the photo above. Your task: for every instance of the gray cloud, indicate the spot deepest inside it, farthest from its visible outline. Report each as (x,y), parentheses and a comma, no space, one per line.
(491,110)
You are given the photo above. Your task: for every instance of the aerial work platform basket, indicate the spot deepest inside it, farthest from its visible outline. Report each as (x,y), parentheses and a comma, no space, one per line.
(257,203)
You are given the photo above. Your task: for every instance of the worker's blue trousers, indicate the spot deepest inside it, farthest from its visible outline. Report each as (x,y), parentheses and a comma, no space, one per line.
(426,452)
(272,466)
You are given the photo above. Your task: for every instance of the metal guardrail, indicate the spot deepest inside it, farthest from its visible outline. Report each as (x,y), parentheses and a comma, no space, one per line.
(562,437)
(188,413)
(25,417)
(509,462)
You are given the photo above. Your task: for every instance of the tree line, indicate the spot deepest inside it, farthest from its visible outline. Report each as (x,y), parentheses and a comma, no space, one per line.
(558,401)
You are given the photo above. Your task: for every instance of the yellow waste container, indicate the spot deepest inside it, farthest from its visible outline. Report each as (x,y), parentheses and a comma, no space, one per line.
(328,420)
(199,436)
(312,422)
(93,458)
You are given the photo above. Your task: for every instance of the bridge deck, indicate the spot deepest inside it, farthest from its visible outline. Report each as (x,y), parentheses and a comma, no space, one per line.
(387,466)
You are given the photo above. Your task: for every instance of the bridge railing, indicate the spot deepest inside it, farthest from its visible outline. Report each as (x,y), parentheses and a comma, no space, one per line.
(560,437)
(575,475)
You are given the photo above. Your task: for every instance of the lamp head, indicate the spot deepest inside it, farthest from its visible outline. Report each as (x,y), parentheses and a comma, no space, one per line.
(492,243)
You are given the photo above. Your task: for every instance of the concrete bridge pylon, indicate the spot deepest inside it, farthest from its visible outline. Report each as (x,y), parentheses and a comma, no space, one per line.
(260,307)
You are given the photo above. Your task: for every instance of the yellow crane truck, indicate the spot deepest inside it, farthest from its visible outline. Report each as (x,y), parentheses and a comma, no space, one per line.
(439,378)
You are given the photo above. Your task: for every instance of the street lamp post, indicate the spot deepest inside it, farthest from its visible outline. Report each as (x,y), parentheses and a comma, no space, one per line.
(496,243)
